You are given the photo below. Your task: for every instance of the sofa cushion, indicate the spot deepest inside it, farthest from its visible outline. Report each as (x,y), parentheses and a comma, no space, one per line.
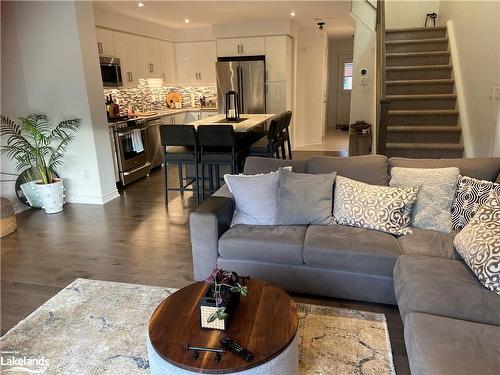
(256,165)
(429,242)
(273,243)
(371,169)
(443,287)
(441,346)
(351,249)
(480,168)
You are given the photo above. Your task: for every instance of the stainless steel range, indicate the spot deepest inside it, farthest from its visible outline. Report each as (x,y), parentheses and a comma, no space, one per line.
(131,149)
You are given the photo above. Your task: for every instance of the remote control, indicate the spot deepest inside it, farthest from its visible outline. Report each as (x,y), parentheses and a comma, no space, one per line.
(236,348)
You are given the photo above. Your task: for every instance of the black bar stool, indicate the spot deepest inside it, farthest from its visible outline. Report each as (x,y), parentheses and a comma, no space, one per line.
(270,146)
(181,148)
(285,134)
(218,147)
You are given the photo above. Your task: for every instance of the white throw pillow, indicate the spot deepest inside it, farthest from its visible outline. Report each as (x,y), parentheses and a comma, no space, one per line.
(479,243)
(255,196)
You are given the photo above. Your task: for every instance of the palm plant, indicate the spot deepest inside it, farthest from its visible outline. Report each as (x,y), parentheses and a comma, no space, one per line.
(35,144)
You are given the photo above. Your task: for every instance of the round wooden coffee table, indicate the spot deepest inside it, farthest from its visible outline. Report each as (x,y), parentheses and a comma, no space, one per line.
(265,322)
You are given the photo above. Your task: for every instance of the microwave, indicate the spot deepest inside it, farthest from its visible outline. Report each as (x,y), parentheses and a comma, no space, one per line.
(111,72)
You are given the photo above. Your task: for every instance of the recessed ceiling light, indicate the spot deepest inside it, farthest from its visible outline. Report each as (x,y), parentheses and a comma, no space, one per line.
(186,20)
(292,14)
(140,4)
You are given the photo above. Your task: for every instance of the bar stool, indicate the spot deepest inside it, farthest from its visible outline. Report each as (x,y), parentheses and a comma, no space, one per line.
(270,146)
(285,134)
(181,148)
(218,147)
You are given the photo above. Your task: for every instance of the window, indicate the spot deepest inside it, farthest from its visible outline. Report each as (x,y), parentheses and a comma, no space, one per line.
(348,76)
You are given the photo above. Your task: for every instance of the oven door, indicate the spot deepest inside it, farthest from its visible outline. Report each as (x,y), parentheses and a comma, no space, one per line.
(131,146)
(111,75)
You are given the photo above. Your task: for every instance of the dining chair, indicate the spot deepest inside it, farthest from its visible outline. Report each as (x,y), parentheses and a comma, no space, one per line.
(270,145)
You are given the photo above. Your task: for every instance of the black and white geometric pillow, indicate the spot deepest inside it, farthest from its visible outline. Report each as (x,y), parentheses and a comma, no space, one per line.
(471,193)
(479,243)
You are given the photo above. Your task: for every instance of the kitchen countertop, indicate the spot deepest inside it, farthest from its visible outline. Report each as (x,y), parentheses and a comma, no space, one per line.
(251,121)
(171,112)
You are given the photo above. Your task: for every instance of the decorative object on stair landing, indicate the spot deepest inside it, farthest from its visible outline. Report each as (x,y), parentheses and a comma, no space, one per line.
(432,17)
(221,299)
(37,148)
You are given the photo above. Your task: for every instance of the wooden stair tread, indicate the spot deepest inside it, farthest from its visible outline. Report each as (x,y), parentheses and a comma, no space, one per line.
(424,129)
(422,112)
(424,53)
(426,146)
(418,67)
(413,41)
(421,97)
(421,81)
(410,29)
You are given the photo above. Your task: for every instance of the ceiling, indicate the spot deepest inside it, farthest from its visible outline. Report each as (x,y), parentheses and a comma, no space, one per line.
(205,13)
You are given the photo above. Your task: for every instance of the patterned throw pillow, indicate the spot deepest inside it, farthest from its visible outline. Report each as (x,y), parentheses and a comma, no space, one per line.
(436,191)
(479,243)
(469,196)
(383,208)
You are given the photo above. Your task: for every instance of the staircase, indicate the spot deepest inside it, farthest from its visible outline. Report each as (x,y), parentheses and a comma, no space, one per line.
(422,119)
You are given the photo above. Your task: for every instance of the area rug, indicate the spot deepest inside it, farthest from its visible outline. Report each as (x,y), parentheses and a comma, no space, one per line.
(100,327)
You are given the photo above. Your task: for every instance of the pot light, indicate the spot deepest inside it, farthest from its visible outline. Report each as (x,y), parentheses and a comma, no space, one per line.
(140,4)
(292,13)
(186,20)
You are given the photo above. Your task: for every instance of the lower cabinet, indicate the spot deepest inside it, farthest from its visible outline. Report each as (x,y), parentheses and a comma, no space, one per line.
(154,147)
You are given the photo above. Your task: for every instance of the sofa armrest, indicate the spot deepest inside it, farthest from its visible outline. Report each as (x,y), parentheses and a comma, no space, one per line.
(206,224)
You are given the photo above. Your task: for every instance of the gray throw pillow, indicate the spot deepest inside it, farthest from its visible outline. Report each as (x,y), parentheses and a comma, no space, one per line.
(471,193)
(255,197)
(437,186)
(383,208)
(305,198)
(479,243)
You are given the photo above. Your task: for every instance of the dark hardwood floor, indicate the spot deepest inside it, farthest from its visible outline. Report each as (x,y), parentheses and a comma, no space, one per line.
(133,239)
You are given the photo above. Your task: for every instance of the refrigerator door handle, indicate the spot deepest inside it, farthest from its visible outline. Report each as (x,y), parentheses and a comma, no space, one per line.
(240,87)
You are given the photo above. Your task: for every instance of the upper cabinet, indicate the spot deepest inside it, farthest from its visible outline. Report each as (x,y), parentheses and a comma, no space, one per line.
(241,46)
(105,45)
(195,62)
(167,57)
(148,57)
(126,50)
(278,58)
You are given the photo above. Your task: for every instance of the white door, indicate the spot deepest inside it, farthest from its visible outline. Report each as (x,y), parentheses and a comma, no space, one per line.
(253,46)
(154,59)
(228,47)
(142,56)
(125,50)
(167,55)
(105,45)
(344,88)
(187,63)
(206,57)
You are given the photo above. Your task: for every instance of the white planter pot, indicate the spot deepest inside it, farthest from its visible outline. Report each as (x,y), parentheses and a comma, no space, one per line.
(52,196)
(30,191)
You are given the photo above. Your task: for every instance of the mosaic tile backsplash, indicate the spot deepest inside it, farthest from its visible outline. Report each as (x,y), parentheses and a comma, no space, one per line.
(146,97)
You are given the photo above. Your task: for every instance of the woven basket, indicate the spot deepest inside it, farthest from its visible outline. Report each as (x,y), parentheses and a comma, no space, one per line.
(8,222)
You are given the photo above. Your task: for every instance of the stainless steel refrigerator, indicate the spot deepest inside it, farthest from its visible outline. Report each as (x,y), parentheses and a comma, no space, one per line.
(247,78)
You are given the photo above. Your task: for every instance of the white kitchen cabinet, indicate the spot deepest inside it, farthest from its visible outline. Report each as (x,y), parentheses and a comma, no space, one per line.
(195,62)
(241,46)
(179,118)
(205,114)
(278,57)
(105,45)
(148,57)
(126,50)
(276,97)
(167,56)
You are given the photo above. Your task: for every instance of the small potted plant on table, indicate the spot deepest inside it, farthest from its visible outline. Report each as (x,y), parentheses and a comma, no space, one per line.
(36,145)
(221,299)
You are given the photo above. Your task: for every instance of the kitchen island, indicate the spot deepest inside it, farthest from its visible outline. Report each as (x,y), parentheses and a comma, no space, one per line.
(248,121)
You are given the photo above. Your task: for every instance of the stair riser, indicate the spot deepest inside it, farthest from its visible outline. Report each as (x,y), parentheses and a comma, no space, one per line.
(425,154)
(423,104)
(417,60)
(431,137)
(409,35)
(446,120)
(416,47)
(417,89)
(398,75)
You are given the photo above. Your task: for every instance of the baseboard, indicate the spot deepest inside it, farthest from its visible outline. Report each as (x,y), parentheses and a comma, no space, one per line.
(307,143)
(92,199)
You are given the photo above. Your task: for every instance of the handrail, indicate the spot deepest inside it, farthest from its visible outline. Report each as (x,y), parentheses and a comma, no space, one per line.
(382,102)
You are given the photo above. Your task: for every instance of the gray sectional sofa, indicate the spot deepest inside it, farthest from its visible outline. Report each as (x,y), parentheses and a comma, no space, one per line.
(452,323)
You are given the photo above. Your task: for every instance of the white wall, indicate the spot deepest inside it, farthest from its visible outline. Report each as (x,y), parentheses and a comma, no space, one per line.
(409,13)
(336,48)
(50,64)
(477,32)
(310,86)
(363,97)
